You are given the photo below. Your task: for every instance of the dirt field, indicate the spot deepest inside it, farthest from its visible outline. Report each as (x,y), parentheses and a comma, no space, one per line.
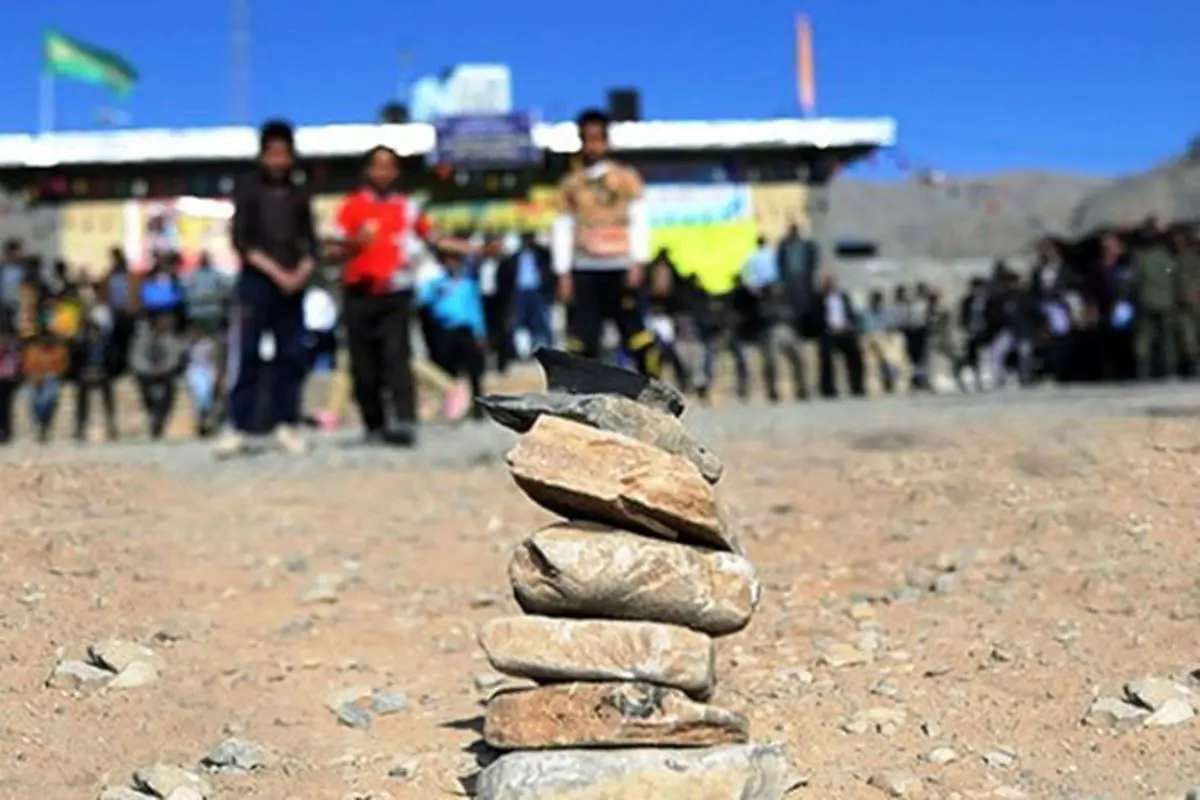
(997,562)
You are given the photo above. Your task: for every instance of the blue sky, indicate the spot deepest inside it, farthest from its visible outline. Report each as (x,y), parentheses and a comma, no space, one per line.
(975,86)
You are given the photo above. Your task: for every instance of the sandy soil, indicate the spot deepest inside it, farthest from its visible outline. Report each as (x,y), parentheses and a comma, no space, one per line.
(1003,559)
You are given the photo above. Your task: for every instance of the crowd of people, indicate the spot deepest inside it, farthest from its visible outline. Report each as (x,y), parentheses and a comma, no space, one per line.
(1122,305)
(59,333)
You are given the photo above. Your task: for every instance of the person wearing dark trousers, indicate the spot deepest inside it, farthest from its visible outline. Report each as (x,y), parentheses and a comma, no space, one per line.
(601,245)
(456,307)
(274,235)
(838,325)
(665,297)
(119,295)
(10,375)
(528,277)
(912,318)
(157,359)
(496,283)
(92,365)
(716,331)
(377,230)
(973,320)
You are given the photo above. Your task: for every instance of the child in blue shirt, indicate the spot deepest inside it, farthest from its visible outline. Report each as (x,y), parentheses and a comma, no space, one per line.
(455,304)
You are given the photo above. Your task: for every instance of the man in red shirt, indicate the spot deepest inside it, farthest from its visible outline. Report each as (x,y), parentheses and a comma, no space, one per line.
(379,231)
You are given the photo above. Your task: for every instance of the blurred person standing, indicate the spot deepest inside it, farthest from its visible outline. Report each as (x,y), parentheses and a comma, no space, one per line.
(973,320)
(201,376)
(91,367)
(878,337)
(528,276)
(161,291)
(456,308)
(274,235)
(778,328)
(495,282)
(1154,278)
(1014,318)
(118,294)
(911,319)
(207,294)
(157,359)
(941,344)
(45,362)
(1187,297)
(12,275)
(839,327)
(31,302)
(379,230)
(715,321)
(1049,275)
(797,260)
(600,245)
(321,320)
(10,374)
(666,313)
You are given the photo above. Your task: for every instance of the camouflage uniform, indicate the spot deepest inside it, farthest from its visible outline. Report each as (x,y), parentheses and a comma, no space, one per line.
(1187,320)
(1156,301)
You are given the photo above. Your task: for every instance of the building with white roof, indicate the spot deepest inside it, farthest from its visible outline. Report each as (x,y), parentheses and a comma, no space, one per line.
(79,194)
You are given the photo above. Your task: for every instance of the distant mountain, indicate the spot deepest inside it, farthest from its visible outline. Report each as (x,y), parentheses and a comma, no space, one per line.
(1170,191)
(1003,214)
(960,218)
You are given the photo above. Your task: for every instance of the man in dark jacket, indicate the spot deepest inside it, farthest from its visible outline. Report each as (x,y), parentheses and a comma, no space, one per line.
(527,276)
(973,320)
(1014,320)
(797,262)
(274,235)
(838,325)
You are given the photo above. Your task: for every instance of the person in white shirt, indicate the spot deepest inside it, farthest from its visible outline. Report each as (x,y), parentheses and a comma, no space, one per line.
(839,336)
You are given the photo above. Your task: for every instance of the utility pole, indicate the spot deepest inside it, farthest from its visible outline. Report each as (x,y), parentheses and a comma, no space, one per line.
(239,42)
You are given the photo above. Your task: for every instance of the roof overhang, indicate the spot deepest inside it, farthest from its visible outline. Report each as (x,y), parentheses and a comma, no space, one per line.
(337,141)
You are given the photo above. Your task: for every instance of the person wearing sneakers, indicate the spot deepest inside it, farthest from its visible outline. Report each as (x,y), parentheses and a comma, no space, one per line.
(274,235)
(379,230)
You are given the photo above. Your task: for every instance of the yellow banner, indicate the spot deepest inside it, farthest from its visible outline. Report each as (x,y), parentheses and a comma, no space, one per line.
(714,253)
(713,250)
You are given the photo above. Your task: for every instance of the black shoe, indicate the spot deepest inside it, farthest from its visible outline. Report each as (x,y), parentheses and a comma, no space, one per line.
(402,436)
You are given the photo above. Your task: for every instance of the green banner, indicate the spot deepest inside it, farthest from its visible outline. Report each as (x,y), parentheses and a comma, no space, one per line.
(67,57)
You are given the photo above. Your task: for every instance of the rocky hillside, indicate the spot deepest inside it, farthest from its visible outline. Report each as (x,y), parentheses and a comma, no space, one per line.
(1001,214)
(1170,190)
(984,216)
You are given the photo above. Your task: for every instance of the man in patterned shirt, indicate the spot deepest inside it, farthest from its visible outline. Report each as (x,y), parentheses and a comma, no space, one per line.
(600,245)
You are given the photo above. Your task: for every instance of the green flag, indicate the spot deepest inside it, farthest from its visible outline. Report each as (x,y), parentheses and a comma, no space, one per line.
(70,58)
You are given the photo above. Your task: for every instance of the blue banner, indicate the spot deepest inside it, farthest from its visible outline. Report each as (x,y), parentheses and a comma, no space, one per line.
(486,142)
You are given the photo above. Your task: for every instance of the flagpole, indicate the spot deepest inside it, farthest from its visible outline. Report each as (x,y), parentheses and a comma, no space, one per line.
(46,105)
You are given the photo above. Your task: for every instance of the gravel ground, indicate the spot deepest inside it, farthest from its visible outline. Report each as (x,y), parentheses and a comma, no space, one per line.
(995,563)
